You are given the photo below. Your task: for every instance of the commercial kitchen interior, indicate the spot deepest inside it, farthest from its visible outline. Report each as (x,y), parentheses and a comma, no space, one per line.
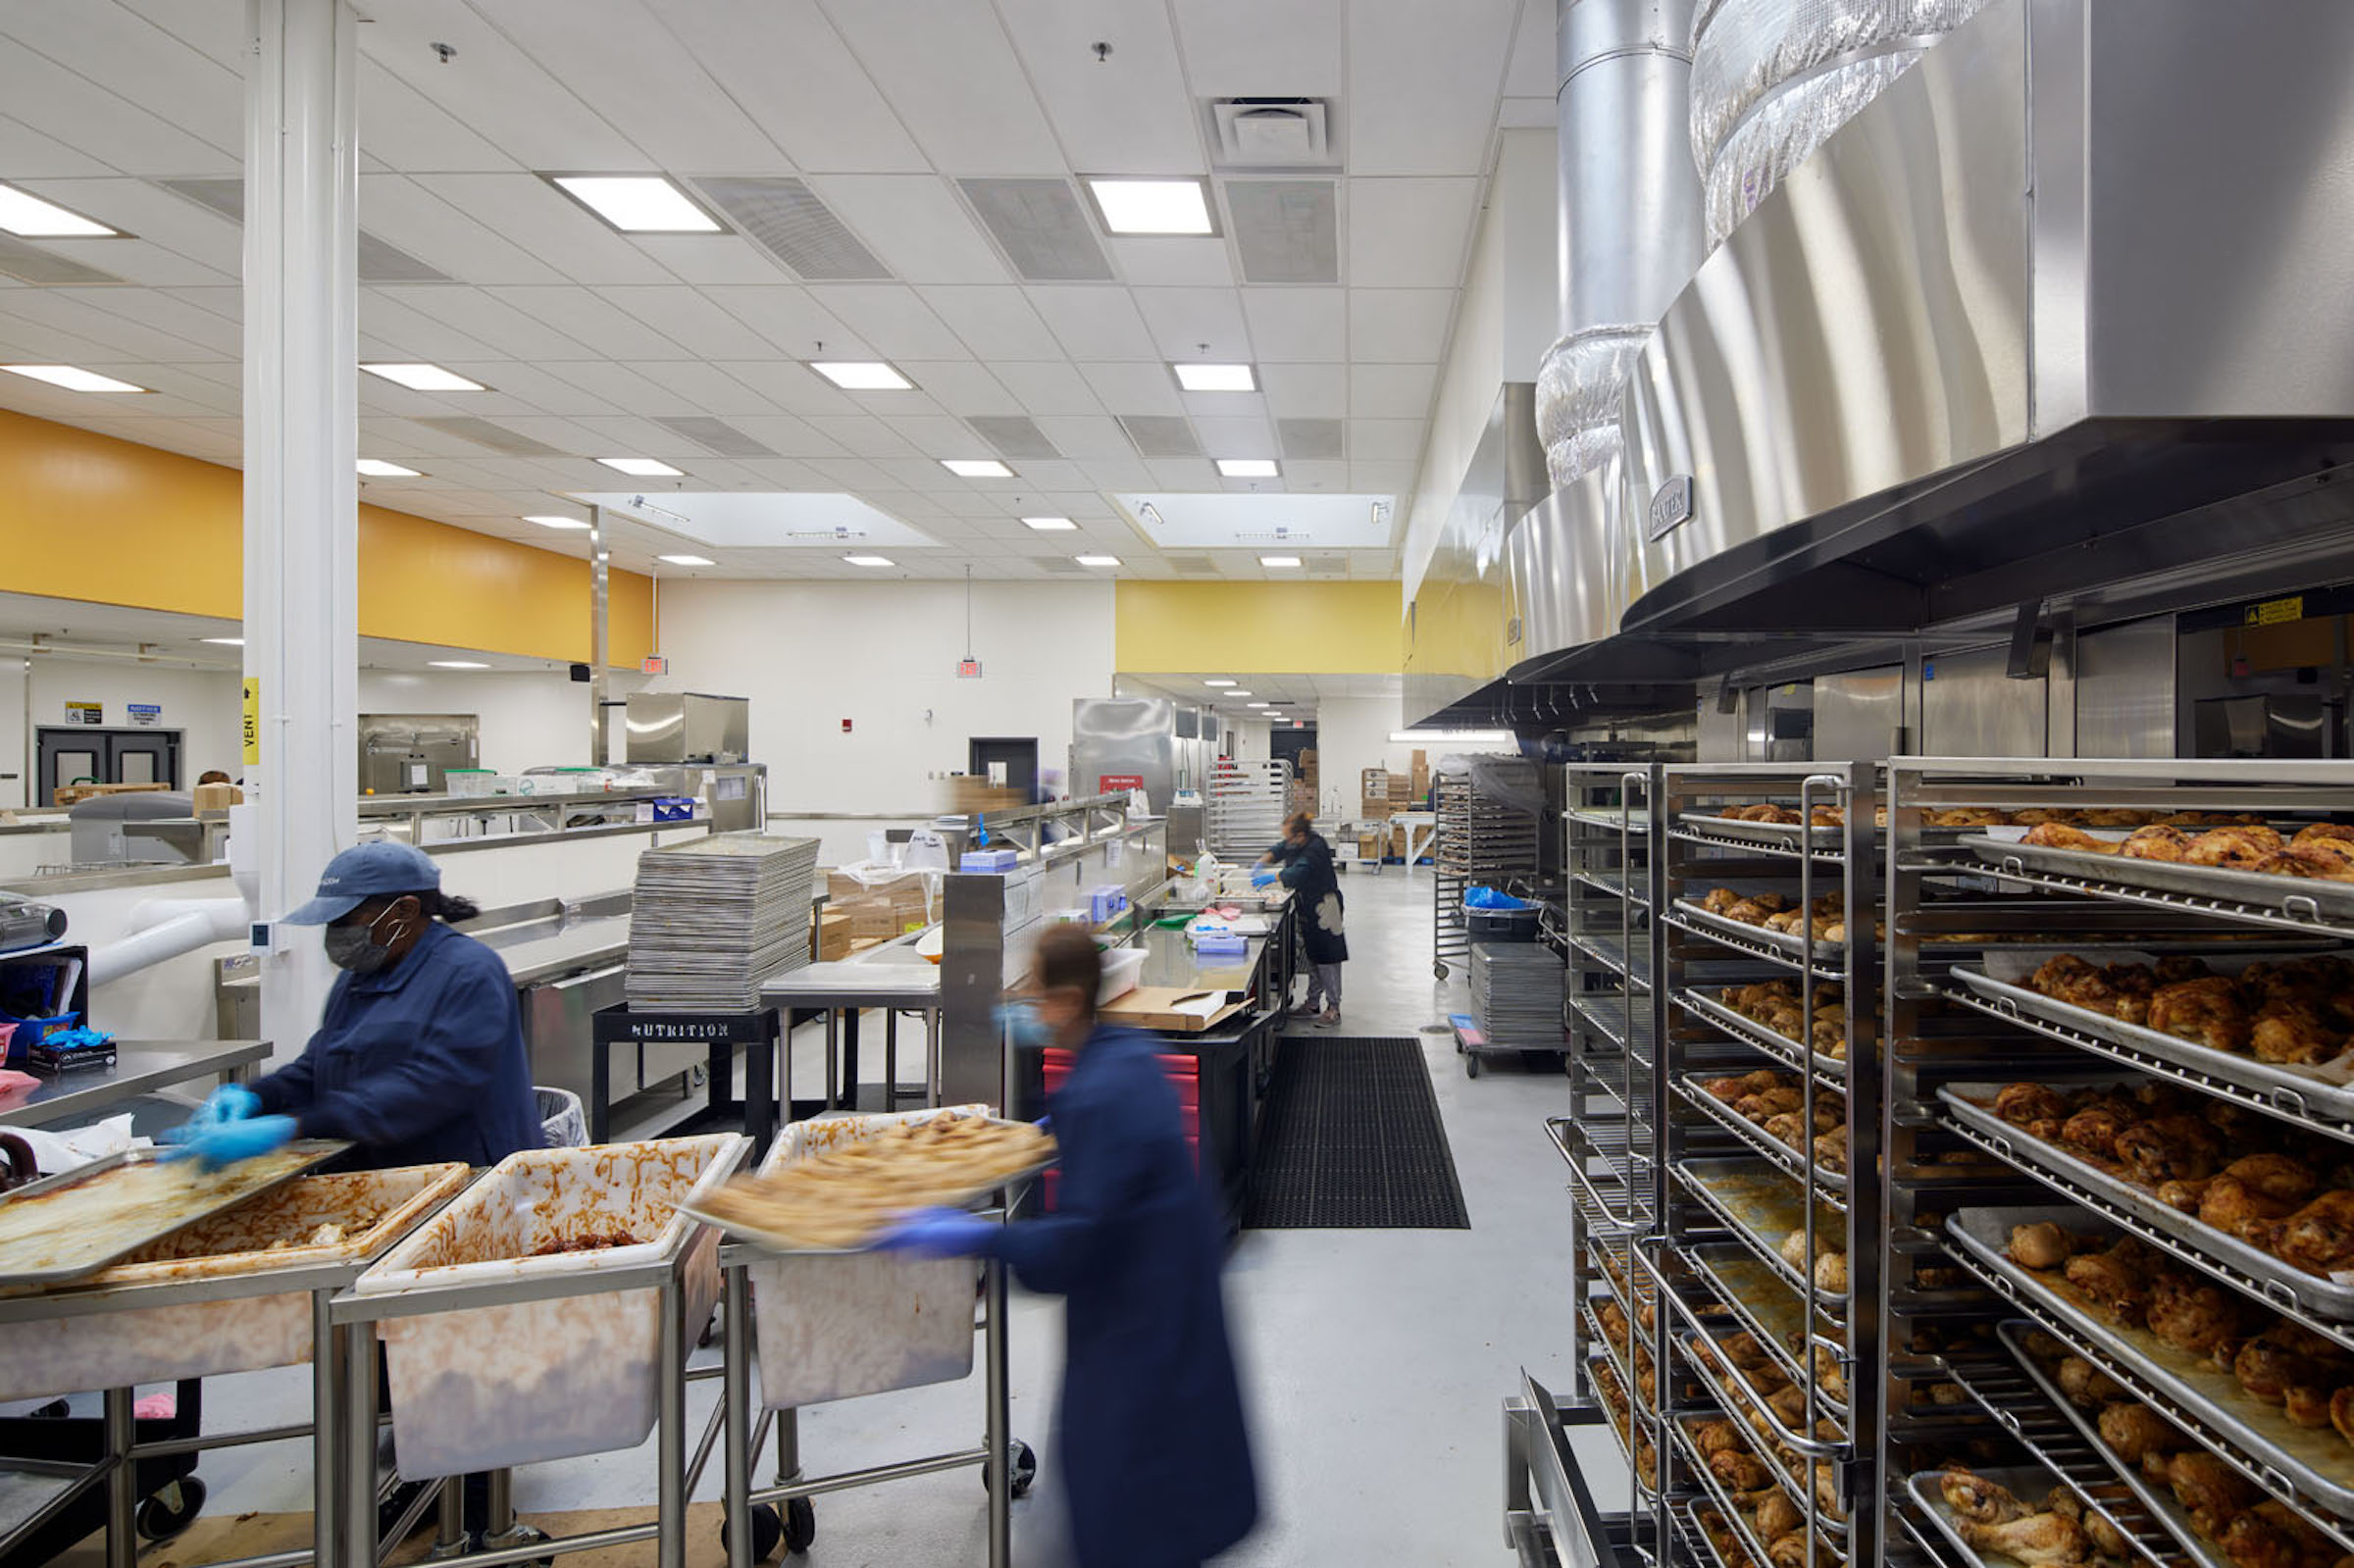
(1833,509)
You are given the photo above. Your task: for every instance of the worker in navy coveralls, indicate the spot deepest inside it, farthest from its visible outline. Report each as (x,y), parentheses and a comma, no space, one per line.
(1155,1459)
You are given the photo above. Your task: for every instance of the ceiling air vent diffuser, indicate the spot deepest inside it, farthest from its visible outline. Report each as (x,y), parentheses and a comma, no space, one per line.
(1272,133)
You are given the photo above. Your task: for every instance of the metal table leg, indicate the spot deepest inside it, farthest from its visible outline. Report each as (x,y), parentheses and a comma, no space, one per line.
(891,1058)
(832,1062)
(999,1463)
(671,1445)
(326,1429)
(122,1481)
(736,1388)
(849,1058)
(359,1445)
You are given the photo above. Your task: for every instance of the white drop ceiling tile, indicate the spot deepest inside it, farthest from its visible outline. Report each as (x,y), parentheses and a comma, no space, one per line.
(788,438)
(1387,441)
(912,506)
(685,316)
(1085,438)
(956,82)
(135,260)
(697,386)
(1527,114)
(1372,564)
(1135,386)
(1196,323)
(1036,474)
(958,385)
(89,330)
(993,323)
(166,313)
(1129,113)
(1048,387)
(1177,262)
(1533,68)
(156,216)
(1399,325)
(1225,405)
(491,322)
(1382,477)
(1409,233)
(914,224)
(786,65)
(793,388)
(862,474)
(1306,392)
(1296,325)
(495,87)
(616,55)
(862,436)
(156,72)
(939,435)
(891,318)
(592,320)
(1390,391)
(1094,322)
(403,129)
(517,386)
(1236,437)
(580,437)
(1314,476)
(28,154)
(787,317)
(788,473)
(1248,48)
(528,215)
(707,259)
(1422,83)
(404,212)
(1184,473)
(410,333)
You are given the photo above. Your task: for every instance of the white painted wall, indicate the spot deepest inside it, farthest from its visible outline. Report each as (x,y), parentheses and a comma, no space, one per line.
(202,704)
(883,655)
(1352,733)
(1251,743)
(528,718)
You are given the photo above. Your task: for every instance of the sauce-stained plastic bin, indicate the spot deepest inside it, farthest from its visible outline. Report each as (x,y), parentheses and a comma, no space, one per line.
(837,1324)
(239,1334)
(485,1388)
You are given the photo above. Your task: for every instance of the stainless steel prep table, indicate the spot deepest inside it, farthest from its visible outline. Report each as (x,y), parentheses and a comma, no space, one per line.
(840,988)
(141,1067)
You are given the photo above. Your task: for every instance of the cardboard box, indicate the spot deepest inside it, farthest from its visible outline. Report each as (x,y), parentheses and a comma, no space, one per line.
(1374,807)
(68,794)
(833,935)
(1398,841)
(216,796)
(1173,1008)
(1376,782)
(1368,846)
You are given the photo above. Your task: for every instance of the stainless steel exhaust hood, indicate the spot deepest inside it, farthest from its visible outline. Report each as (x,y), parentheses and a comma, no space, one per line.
(2065,316)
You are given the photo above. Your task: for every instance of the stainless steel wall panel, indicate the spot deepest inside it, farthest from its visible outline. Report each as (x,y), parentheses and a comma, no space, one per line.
(1560,567)
(1131,738)
(2125,691)
(1970,708)
(1858,715)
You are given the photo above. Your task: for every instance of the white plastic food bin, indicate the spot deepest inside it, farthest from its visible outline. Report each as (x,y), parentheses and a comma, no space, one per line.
(834,1326)
(269,1232)
(486,1387)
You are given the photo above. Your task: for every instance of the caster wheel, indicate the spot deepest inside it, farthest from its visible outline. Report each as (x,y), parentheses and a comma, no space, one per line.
(1025,1469)
(522,1535)
(171,1510)
(801,1525)
(1471,1064)
(1439,970)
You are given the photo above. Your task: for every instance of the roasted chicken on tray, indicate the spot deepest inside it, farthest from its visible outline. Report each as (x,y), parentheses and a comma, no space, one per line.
(2296,1012)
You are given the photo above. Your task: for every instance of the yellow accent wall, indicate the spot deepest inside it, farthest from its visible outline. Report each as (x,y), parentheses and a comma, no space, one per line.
(84,516)
(1296,628)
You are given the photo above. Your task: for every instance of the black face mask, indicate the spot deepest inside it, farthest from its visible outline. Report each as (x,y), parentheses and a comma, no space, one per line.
(358,949)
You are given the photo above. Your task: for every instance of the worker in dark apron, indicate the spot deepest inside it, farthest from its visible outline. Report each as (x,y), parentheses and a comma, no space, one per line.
(1303,863)
(1155,1460)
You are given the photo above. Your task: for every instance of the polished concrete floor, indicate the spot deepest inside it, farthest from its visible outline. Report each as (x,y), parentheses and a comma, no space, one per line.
(1376,1360)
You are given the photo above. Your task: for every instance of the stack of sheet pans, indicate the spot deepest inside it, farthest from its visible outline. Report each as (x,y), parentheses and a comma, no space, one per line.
(714,917)
(1516,994)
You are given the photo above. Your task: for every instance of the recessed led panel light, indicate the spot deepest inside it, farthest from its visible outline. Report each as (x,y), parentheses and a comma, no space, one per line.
(862,375)
(1259,704)
(1049,525)
(28,216)
(976,468)
(1215,378)
(223,643)
(425,377)
(1246,468)
(1279,560)
(686,560)
(376,467)
(458,664)
(1220,683)
(553,522)
(868,560)
(1153,206)
(637,203)
(73,378)
(644,467)
(1097,560)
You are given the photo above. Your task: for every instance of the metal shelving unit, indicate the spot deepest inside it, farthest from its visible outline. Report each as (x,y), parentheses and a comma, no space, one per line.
(1480,842)
(1943,1030)
(1246,806)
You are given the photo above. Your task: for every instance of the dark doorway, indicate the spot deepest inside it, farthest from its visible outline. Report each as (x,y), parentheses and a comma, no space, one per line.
(1284,744)
(70,755)
(1017,760)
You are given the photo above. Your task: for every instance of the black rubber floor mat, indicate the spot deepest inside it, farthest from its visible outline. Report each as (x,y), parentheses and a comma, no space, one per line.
(1352,1139)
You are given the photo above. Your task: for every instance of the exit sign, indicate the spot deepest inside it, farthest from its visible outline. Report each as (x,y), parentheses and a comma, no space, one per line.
(968,669)
(654,664)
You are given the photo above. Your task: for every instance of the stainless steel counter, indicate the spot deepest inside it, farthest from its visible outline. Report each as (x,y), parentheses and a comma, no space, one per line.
(141,1067)
(545,950)
(1169,960)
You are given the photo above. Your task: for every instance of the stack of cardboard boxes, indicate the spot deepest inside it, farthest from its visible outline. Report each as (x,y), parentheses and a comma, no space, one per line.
(1374,813)
(1302,796)
(866,907)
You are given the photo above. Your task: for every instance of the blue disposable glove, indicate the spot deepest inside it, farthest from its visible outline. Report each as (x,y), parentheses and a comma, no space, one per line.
(938,1234)
(230,1102)
(226,1143)
(1264,877)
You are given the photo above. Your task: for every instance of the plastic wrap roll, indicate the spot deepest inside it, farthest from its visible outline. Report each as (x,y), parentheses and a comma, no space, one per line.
(1743,50)
(1784,133)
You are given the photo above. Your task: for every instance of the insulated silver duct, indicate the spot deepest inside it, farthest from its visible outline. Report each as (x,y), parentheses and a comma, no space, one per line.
(1629,212)
(1772,79)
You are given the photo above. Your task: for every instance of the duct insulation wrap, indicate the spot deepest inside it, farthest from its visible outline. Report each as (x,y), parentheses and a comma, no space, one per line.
(1771,79)
(1577,398)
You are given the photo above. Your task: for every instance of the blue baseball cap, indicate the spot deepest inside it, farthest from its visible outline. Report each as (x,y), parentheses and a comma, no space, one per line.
(363,871)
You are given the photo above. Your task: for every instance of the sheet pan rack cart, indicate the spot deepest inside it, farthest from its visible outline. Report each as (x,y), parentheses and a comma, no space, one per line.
(1480,842)
(1246,807)
(1962,1023)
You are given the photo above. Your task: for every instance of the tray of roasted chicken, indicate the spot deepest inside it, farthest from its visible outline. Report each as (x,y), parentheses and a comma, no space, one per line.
(2278,1025)
(75,1223)
(1767,1108)
(1769,1523)
(1777,825)
(1762,1205)
(2166,1156)
(1770,1013)
(2019,1514)
(2281,1394)
(1772,919)
(2251,863)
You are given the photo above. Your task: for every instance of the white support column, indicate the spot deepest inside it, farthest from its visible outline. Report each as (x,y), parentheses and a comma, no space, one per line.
(301,489)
